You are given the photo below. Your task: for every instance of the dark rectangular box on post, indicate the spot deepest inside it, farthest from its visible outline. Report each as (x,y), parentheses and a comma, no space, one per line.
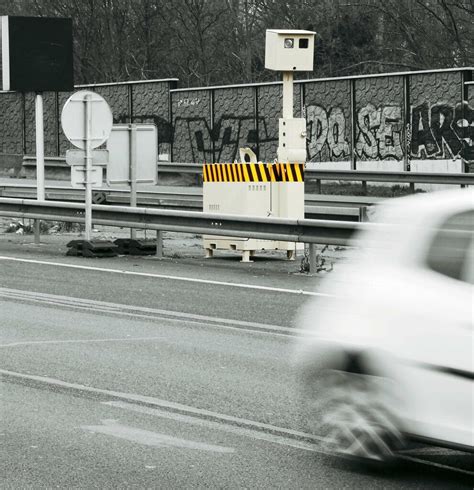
(37,54)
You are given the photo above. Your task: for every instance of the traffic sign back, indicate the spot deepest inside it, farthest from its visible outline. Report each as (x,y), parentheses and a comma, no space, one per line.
(74,114)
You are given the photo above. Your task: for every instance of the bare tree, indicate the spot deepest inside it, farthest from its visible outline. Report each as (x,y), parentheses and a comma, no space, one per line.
(206,42)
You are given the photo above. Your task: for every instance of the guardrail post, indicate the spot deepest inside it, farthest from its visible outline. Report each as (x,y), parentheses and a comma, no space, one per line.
(37,231)
(364,187)
(159,244)
(318,186)
(312,257)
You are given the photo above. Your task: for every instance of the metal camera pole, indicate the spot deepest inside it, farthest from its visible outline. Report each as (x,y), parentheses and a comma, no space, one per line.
(287,94)
(288,114)
(133,172)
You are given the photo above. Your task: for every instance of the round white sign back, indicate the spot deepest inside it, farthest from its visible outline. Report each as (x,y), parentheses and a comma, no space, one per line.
(73,119)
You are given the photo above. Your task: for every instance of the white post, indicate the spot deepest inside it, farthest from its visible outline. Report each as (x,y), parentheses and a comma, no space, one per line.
(88,197)
(287,94)
(133,172)
(40,191)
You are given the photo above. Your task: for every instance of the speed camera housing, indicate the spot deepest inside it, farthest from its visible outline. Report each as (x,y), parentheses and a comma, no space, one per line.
(289,50)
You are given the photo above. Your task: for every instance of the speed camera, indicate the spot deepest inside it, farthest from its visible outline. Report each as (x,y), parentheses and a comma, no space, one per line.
(289,50)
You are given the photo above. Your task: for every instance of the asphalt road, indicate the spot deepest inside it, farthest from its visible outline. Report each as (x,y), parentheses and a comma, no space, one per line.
(141,373)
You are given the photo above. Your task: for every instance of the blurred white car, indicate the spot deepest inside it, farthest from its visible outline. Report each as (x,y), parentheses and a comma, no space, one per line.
(389,355)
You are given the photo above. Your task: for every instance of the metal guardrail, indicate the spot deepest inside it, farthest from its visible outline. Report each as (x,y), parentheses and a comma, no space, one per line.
(316,207)
(193,197)
(181,168)
(66,193)
(399,177)
(317,174)
(293,230)
(351,175)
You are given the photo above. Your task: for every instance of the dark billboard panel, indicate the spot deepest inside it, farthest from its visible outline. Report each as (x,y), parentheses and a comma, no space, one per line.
(37,54)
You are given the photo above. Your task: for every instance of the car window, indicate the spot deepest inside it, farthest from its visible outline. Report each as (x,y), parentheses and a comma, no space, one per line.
(450,250)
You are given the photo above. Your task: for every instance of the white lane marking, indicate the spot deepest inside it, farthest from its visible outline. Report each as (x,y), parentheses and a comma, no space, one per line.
(149,438)
(232,429)
(164,405)
(165,276)
(77,341)
(147,313)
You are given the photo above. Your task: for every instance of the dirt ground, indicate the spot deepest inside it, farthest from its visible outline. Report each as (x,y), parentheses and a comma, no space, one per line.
(176,246)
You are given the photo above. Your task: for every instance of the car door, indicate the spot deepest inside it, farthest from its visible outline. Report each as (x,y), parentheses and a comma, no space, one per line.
(437,370)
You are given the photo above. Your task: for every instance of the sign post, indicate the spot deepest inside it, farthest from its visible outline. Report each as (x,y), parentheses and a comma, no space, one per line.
(40,184)
(88,183)
(87,121)
(133,150)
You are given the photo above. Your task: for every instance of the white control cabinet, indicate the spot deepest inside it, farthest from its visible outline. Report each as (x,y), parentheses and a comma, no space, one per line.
(292,138)
(276,199)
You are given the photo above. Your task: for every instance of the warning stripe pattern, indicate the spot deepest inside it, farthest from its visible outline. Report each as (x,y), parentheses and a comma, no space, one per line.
(253,172)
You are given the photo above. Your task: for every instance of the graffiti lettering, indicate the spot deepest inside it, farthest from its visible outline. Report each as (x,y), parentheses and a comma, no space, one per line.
(189,102)
(439,131)
(326,129)
(379,132)
(336,133)
(366,144)
(222,142)
(317,129)
(443,131)
(464,127)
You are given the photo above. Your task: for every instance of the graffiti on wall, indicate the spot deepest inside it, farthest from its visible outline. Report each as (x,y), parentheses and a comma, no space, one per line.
(203,142)
(382,130)
(379,132)
(222,142)
(437,131)
(326,130)
(442,131)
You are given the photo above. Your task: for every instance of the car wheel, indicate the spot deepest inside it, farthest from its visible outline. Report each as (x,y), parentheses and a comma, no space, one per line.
(353,417)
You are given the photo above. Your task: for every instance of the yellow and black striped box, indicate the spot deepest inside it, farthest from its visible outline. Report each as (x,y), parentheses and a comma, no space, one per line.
(253,172)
